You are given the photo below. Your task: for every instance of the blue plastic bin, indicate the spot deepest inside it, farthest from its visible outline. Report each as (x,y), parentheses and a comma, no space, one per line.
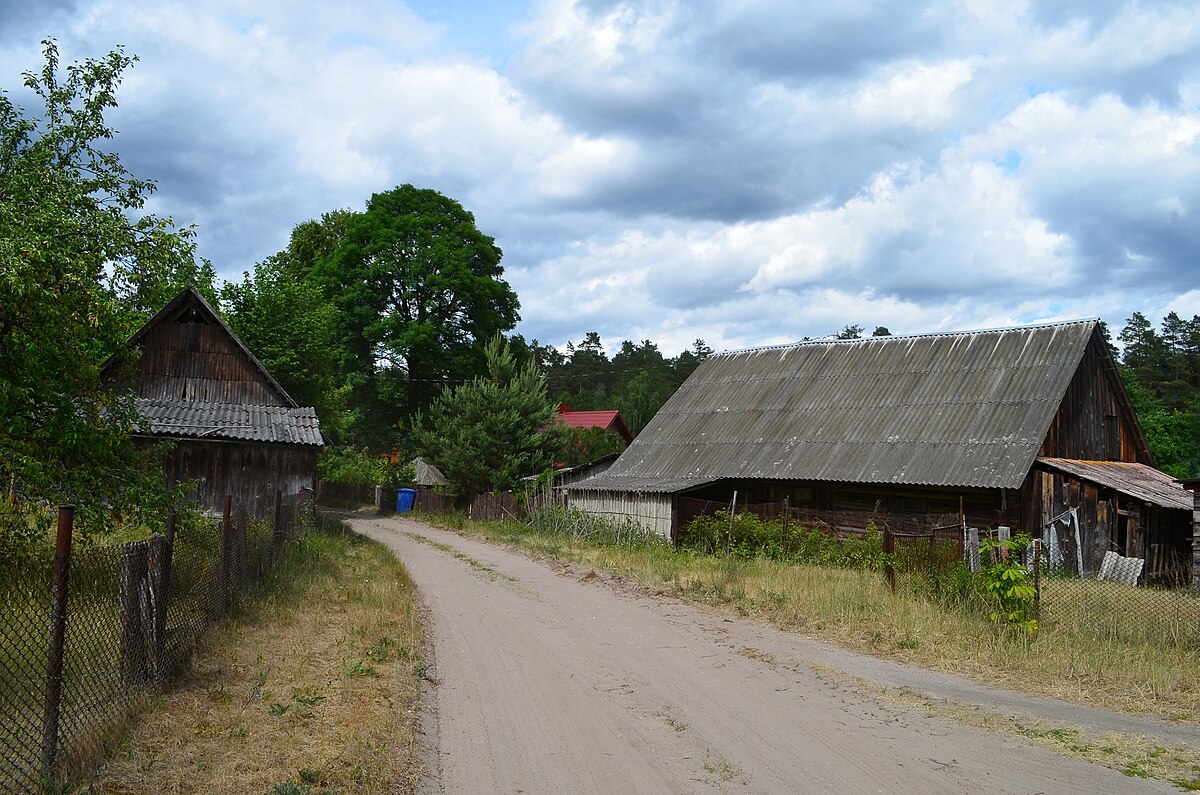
(405,499)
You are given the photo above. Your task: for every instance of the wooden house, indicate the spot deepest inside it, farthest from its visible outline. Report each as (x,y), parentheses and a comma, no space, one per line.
(235,429)
(1029,428)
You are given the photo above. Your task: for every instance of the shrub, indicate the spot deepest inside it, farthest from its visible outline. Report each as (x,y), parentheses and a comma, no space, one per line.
(352,465)
(749,536)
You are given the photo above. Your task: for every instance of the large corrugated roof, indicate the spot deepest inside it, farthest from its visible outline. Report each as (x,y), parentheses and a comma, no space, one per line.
(236,421)
(1137,480)
(958,409)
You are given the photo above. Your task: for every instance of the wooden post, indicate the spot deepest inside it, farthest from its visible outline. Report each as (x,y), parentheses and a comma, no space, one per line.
(787,513)
(221,573)
(58,636)
(133,643)
(889,547)
(159,569)
(279,536)
(732,513)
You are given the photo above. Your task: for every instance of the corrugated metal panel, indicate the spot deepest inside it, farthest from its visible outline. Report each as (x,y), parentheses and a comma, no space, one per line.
(196,420)
(1136,480)
(964,409)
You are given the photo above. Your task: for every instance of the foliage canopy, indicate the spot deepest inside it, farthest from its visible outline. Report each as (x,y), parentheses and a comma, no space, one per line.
(79,268)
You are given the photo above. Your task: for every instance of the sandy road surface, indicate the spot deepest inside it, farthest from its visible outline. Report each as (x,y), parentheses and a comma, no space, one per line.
(550,683)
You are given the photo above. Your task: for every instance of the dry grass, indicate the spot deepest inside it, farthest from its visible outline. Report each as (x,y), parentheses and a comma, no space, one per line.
(1115,658)
(310,689)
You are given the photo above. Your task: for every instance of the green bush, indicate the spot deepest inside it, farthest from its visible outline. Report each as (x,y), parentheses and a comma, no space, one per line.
(354,465)
(749,537)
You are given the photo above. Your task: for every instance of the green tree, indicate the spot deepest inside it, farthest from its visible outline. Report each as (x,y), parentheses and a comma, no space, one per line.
(1173,436)
(291,328)
(486,434)
(73,243)
(418,289)
(686,362)
(583,445)
(1142,349)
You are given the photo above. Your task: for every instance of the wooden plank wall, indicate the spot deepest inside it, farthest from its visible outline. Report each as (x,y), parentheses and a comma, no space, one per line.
(983,507)
(250,472)
(652,511)
(1091,423)
(199,362)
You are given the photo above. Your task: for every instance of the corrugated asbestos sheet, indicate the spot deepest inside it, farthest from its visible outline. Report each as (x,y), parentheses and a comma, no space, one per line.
(1136,480)
(964,409)
(426,474)
(196,420)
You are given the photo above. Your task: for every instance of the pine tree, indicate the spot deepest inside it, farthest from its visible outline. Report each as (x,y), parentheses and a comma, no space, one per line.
(488,433)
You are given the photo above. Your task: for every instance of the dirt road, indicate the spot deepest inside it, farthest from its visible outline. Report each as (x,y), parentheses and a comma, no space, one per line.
(550,682)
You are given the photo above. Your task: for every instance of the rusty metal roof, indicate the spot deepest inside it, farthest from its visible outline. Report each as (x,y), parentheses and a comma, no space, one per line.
(229,421)
(1135,480)
(956,409)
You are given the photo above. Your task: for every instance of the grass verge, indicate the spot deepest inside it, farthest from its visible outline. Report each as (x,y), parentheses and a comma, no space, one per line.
(311,687)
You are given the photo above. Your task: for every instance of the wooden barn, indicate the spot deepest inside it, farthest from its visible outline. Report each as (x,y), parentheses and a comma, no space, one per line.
(1030,428)
(235,429)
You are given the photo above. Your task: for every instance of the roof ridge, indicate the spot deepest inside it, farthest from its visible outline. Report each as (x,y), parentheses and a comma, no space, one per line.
(888,337)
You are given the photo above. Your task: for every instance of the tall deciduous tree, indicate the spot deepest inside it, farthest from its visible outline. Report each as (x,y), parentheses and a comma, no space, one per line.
(72,244)
(486,434)
(418,288)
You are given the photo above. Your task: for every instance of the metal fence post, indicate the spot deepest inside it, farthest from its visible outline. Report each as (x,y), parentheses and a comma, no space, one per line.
(1037,576)
(58,633)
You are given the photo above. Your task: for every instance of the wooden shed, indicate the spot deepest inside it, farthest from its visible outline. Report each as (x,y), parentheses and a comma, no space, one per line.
(1018,427)
(235,429)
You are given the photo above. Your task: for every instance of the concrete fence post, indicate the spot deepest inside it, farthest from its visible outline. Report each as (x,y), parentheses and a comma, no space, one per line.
(159,570)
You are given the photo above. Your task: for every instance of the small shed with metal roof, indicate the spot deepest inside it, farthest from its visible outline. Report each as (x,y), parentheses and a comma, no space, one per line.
(1009,426)
(234,429)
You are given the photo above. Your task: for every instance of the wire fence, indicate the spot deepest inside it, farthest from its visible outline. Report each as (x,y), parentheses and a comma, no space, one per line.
(87,635)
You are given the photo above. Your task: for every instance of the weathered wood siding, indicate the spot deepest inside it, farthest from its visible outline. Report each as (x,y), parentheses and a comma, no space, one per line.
(1110,521)
(252,473)
(193,361)
(1094,422)
(655,512)
(983,507)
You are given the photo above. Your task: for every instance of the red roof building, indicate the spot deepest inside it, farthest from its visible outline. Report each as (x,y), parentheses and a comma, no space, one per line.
(608,420)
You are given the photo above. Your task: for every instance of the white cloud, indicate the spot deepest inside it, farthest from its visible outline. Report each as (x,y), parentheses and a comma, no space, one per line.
(662,170)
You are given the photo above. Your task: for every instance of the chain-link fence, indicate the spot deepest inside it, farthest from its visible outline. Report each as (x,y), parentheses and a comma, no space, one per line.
(86,635)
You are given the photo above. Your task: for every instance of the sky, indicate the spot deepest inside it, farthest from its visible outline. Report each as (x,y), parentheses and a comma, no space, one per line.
(747,172)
